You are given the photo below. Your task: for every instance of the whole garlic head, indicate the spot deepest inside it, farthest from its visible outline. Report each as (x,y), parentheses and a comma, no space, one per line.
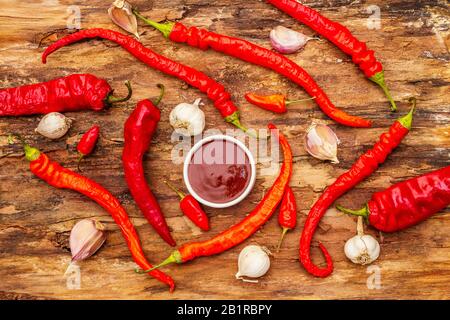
(188,119)
(363,248)
(253,262)
(54,125)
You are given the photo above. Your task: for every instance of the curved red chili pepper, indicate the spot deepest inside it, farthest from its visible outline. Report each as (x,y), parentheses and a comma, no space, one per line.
(361,169)
(87,143)
(257,55)
(341,37)
(138,132)
(72,93)
(215,91)
(287,218)
(407,203)
(191,209)
(59,177)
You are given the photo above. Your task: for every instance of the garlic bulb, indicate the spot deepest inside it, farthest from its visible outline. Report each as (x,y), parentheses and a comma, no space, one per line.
(285,40)
(122,15)
(321,142)
(54,125)
(86,237)
(363,248)
(253,262)
(188,119)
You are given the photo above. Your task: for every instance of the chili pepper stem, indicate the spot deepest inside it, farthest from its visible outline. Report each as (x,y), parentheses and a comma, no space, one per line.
(378,78)
(406,121)
(288,102)
(161,94)
(164,28)
(234,120)
(285,230)
(81,156)
(111,99)
(363,212)
(31,153)
(178,192)
(175,257)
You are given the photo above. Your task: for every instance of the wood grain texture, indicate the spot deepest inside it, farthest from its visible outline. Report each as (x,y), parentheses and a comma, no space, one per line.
(35,219)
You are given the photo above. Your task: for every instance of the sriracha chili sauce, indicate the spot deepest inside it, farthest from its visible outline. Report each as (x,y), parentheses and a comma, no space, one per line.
(219,171)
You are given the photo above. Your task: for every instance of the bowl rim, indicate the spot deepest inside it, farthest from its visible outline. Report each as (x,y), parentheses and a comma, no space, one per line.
(197,146)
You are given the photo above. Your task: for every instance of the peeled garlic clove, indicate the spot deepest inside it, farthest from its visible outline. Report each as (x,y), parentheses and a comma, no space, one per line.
(285,40)
(121,14)
(321,142)
(54,125)
(253,262)
(86,237)
(188,119)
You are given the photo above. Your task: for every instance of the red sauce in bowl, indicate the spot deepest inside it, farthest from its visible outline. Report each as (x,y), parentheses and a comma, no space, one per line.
(219,171)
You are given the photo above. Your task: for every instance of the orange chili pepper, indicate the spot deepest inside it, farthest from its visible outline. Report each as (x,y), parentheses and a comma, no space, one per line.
(276,102)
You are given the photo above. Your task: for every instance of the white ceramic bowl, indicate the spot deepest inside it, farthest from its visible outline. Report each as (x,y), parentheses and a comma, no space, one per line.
(252,174)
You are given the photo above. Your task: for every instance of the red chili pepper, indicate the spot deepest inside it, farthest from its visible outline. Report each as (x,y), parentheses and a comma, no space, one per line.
(252,53)
(72,93)
(341,37)
(407,203)
(87,143)
(249,225)
(276,102)
(287,218)
(60,177)
(138,132)
(361,169)
(192,209)
(215,91)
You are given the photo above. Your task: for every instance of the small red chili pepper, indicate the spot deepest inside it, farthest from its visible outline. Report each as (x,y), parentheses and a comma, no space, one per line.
(342,38)
(72,93)
(364,166)
(407,203)
(246,227)
(276,102)
(191,208)
(138,131)
(87,143)
(215,91)
(60,177)
(252,53)
(287,218)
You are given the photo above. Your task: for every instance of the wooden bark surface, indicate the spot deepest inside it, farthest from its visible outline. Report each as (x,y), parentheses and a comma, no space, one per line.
(35,219)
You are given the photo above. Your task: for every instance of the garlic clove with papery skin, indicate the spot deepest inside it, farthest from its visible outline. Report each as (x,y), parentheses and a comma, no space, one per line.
(54,125)
(321,142)
(121,13)
(363,248)
(285,40)
(253,262)
(188,119)
(86,237)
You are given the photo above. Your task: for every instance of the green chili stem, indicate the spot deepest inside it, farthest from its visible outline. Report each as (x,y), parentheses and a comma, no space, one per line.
(364,212)
(406,121)
(378,78)
(178,192)
(288,102)
(31,153)
(161,94)
(175,257)
(111,99)
(164,28)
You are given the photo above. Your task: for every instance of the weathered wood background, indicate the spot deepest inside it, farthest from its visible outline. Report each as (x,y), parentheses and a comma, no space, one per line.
(35,219)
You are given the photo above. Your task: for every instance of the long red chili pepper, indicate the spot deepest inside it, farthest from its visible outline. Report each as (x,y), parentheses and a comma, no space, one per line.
(191,209)
(138,132)
(60,177)
(287,218)
(341,37)
(407,203)
(249,225)
(71,93)
(247,51)
(87,143)
(361,169)
(215,91)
